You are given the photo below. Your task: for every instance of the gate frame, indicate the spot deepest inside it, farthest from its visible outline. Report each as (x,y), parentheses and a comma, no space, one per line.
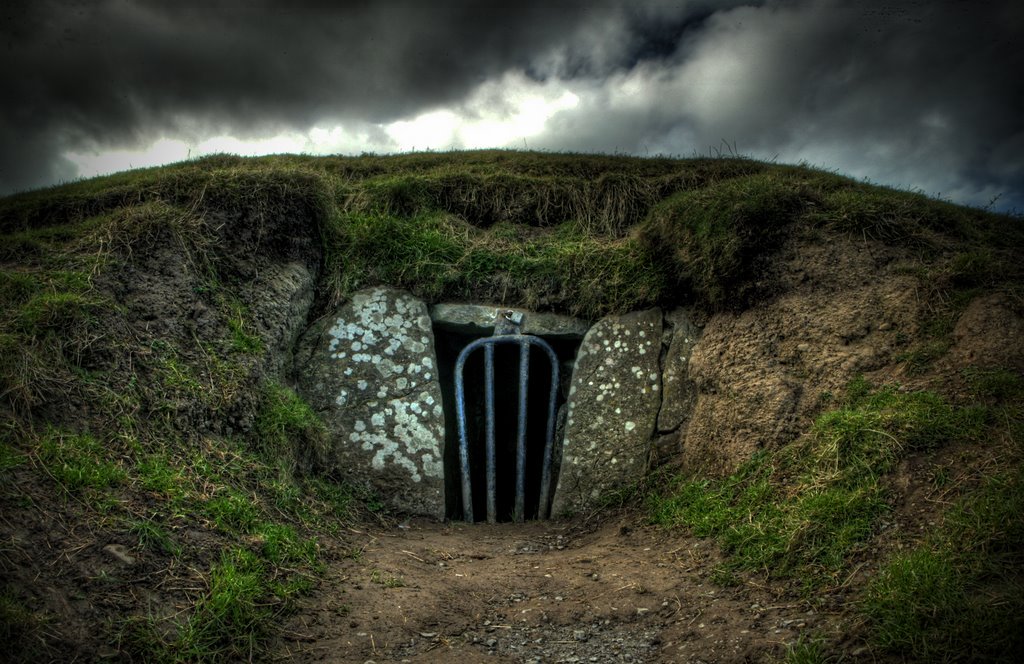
(524,341)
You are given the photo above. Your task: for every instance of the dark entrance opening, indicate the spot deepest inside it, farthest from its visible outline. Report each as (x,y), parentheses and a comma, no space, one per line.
(448,344)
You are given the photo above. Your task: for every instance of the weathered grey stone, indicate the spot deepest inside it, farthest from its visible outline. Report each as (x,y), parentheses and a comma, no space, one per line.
(371,372)
(678,391)
(479,319)
(613,405)
(285,294)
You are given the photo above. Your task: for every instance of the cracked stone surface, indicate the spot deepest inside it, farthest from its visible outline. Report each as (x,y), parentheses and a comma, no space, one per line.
(612,408)
(286,294)
(370,371)
(678,390)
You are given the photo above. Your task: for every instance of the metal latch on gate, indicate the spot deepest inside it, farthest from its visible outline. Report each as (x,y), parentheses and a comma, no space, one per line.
(507,330)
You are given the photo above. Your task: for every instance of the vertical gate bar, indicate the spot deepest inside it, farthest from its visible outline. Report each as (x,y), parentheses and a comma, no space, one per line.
(460,410)
(543,507)
(524,382)
(492,512)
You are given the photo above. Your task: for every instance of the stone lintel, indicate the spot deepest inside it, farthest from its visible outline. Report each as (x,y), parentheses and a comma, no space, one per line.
(479,319)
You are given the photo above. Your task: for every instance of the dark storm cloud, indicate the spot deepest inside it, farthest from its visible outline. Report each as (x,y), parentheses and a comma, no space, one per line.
(923,95)
(927,98)
(110,72)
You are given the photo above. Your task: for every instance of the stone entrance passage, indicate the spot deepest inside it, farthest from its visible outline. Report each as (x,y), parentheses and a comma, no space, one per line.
(380,372)
(457,327)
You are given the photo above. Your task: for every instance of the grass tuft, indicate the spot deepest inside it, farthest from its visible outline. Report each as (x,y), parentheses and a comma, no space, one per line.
(287,428)
(242,338)
(79,461)
(154,537)
(806,510)
(872,431)
(717,238)
(232,511)
(807,651)
(959,594)
(160,475)
(233,619)
(282,545)
(440,256)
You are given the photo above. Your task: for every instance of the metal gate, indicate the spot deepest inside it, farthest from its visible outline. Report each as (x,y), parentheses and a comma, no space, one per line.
(506,331)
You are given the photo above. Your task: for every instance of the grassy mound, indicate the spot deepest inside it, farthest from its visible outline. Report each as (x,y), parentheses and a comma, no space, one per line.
(143,403)
(544,230)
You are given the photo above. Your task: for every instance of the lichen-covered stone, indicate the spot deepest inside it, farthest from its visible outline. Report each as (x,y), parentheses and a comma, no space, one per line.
(370,370)
(678,390)
(612,408)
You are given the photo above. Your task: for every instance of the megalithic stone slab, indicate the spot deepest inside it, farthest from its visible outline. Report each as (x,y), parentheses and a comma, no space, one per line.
(678,391)
(370,370)
(479,319)
(612,410)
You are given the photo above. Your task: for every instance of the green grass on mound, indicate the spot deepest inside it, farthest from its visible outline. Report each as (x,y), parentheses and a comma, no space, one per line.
(584,234)
(178,438)
(805,511)
(811,511)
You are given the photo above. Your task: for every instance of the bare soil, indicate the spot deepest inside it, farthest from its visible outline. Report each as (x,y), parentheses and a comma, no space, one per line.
(545,592)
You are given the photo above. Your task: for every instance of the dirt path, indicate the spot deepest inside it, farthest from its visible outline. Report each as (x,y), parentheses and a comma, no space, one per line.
(540,592)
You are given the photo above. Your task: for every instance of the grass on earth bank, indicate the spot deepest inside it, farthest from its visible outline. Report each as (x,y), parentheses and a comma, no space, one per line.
(960,593)
(811,511)
(233,527)
(178,444)
(581,234)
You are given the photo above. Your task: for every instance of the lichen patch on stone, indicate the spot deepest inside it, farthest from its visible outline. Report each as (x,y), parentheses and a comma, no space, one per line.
(376,376)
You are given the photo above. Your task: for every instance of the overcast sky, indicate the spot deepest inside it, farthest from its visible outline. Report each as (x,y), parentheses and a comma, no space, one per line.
(921,95)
